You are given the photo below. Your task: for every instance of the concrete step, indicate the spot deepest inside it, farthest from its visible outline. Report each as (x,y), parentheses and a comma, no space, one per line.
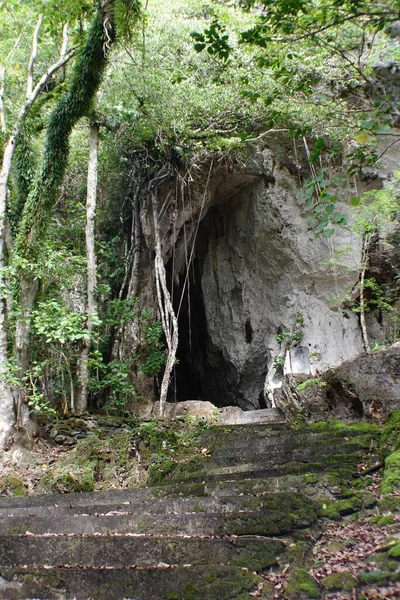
(212,582)
(254,553)
(279,515)
(174,505)
(236,416)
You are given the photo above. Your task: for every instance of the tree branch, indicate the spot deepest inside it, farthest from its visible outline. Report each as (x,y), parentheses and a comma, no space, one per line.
(35,44)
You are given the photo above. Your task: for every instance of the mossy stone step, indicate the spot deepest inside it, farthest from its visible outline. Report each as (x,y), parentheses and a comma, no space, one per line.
(160,506)
(183,583)
(294,512)
(251,552)
(341,464)
(294,443)
(229,456)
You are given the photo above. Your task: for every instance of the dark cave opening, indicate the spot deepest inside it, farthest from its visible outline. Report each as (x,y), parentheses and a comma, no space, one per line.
(201,372)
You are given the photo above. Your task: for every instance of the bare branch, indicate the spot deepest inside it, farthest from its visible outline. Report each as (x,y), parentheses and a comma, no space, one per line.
(3,126)
(64,48)
(35,43)
(2,110)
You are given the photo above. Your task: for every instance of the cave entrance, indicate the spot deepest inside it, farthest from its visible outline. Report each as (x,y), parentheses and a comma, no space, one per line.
(202,371)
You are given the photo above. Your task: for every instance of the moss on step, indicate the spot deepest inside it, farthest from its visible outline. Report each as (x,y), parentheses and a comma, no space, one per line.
(389,504)
(384,561)
(257,558)
(391,432)
(213,586)
(11,485)
(391,475)
(77,479)
(298,554)
(301,585)
(394,552)
(376,577)
(335,582)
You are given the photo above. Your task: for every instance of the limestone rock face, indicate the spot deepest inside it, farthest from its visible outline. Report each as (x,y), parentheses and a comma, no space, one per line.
(261,269)
(265,297)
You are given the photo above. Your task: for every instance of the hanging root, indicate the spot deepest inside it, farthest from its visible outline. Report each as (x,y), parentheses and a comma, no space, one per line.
(168,316)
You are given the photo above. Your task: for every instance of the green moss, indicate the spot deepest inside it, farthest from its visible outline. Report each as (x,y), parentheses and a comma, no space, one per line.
(258,557)
(391,475)
(339,426)
(339,581)
(297,554)
(372,577)
(11,485)
(335,509)
(383,560)
(391,432)
(215,585)
(300,581)
(389,504)
(76,480)
(394,552)
(387,520)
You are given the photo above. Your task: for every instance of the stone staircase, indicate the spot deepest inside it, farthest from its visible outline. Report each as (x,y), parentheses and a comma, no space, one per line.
(209,531)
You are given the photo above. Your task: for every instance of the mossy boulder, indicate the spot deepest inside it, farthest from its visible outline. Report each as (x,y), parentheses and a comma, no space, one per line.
(77,479)
(301,586)
(394,552)
(391,476)
(341,581)
(11,485)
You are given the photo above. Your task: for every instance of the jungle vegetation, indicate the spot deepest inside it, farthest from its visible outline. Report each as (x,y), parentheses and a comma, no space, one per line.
(150,86)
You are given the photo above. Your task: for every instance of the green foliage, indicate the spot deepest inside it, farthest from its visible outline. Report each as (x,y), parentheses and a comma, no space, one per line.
(290,337)
(114,377)
(376,296)
(376,209)
(30,386)
(155,352)
(56,324)
(309,383)
(126,13)
(215,39)
(278,364)
(322,205)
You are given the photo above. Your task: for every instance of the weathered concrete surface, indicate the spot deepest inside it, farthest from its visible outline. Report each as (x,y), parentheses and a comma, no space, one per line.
(122,551)
(185,540)
(194,583)
(229,415)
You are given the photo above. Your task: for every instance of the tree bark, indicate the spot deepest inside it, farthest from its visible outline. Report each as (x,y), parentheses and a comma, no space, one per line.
(364,267)
(83,371)
(127,338)
(2,109)
(35,44)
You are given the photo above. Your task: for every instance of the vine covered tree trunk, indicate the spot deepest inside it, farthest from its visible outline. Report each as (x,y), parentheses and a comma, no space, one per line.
(74,104)
(83,371)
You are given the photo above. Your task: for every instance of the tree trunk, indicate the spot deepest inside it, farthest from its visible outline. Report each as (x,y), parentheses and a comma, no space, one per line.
(2,109)
(127,338)
(83,371)
(7,414)
(364,267)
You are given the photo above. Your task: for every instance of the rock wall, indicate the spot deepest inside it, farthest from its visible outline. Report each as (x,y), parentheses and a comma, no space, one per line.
(257,268)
